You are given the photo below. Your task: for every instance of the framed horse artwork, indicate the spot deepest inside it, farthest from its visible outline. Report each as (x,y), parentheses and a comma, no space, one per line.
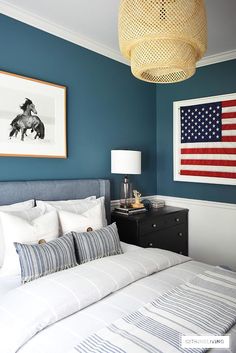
(32,117)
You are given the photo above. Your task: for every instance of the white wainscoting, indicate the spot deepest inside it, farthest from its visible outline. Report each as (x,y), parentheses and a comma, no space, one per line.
(212,229)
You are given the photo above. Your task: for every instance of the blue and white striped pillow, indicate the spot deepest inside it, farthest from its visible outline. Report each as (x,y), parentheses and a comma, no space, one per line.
(97,244)
(39,260)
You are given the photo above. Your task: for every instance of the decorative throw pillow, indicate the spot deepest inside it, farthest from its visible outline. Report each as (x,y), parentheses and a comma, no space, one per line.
(97,244)
(25,230)
(19,206)
(70,221)
(43,259)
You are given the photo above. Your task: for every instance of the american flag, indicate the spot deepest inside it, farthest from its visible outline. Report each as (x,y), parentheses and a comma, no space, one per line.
(208,139)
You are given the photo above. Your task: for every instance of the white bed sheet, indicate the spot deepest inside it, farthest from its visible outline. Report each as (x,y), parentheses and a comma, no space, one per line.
(62,336)
(7,283)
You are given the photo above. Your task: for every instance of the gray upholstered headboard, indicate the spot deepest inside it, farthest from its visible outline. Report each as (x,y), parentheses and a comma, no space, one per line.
(17,191)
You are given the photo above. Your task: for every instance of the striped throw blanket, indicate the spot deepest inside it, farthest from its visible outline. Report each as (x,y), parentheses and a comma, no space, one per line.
(205,306)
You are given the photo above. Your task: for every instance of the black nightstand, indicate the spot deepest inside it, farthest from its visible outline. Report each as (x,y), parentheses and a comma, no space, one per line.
(165,228)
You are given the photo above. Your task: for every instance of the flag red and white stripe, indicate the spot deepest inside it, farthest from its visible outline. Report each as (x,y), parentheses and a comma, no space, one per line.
(213,159)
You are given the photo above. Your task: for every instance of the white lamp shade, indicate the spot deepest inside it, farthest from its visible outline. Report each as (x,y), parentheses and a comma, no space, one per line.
(125,162)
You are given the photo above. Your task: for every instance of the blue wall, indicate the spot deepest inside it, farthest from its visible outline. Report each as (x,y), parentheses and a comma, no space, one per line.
(106,108)
(209,81)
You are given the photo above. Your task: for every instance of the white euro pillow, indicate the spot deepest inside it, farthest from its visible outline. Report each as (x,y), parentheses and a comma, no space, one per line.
(24,229)
(92,218)
(19,206)
(67,205)
(77,206)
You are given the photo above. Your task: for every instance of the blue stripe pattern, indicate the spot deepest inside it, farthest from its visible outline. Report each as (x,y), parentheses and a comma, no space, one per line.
(97,244)
(159,330)
(39,260)
(101,344)
(206,304)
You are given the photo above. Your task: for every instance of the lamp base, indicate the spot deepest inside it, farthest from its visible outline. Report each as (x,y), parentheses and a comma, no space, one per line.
(125,204)
(126,199)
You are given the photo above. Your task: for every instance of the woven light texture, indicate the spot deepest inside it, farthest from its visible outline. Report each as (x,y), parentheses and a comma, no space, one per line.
(163,39)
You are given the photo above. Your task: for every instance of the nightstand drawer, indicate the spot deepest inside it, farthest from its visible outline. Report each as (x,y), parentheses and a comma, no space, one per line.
(154,224)
(174,239)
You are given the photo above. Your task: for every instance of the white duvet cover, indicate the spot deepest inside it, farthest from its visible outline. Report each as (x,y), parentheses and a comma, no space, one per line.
(8,283)
(96,293)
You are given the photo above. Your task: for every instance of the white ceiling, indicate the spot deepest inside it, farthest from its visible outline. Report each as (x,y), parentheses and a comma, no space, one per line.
(93,23)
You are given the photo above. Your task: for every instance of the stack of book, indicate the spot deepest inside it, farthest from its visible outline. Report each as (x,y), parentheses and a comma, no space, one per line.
(130,211)
(158,203)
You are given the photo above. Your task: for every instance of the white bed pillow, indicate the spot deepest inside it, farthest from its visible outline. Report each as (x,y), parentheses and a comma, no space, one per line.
(92,218)
(77,206)
(67,205)
(19,206)
(24,229)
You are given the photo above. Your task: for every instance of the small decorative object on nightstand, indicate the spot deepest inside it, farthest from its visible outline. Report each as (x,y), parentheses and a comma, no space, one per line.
(157,203)
(137,197)
(165,228)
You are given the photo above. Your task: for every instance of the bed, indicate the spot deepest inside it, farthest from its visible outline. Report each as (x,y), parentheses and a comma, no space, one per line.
(67,330)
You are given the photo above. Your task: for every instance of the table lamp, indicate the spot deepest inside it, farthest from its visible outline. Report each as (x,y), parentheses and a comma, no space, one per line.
(126,162)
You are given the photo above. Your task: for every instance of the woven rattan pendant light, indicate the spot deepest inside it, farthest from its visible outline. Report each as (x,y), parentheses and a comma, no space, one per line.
(163,39)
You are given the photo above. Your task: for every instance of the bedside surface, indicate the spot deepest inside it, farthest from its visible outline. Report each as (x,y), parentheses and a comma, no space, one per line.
(165,228)
(156,212)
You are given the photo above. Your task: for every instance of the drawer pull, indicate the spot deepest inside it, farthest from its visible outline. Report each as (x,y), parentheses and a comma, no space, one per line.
(150,244)
(177,219)
(154,225)
(181,252)
(180,234)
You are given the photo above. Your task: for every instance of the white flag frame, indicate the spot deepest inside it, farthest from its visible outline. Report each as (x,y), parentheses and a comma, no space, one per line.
(177,141)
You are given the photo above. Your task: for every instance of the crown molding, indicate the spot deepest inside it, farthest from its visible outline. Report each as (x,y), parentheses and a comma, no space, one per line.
(217,58)
(76,38)
(59,31)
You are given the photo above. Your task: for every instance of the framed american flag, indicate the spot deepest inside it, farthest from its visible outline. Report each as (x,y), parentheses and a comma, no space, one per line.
(205,140)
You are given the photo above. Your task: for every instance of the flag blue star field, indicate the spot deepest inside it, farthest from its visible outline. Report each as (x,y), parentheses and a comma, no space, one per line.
(208,139)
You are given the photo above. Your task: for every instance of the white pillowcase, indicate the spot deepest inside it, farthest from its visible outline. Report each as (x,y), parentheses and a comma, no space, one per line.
(25,228)
(20,206)
(78,207)
(27,215)
(92,218)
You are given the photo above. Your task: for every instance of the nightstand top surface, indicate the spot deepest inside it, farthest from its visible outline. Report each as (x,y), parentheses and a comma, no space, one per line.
(155,212)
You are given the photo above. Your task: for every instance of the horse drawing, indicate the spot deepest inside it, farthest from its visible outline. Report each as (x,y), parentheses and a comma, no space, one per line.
(25,121)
